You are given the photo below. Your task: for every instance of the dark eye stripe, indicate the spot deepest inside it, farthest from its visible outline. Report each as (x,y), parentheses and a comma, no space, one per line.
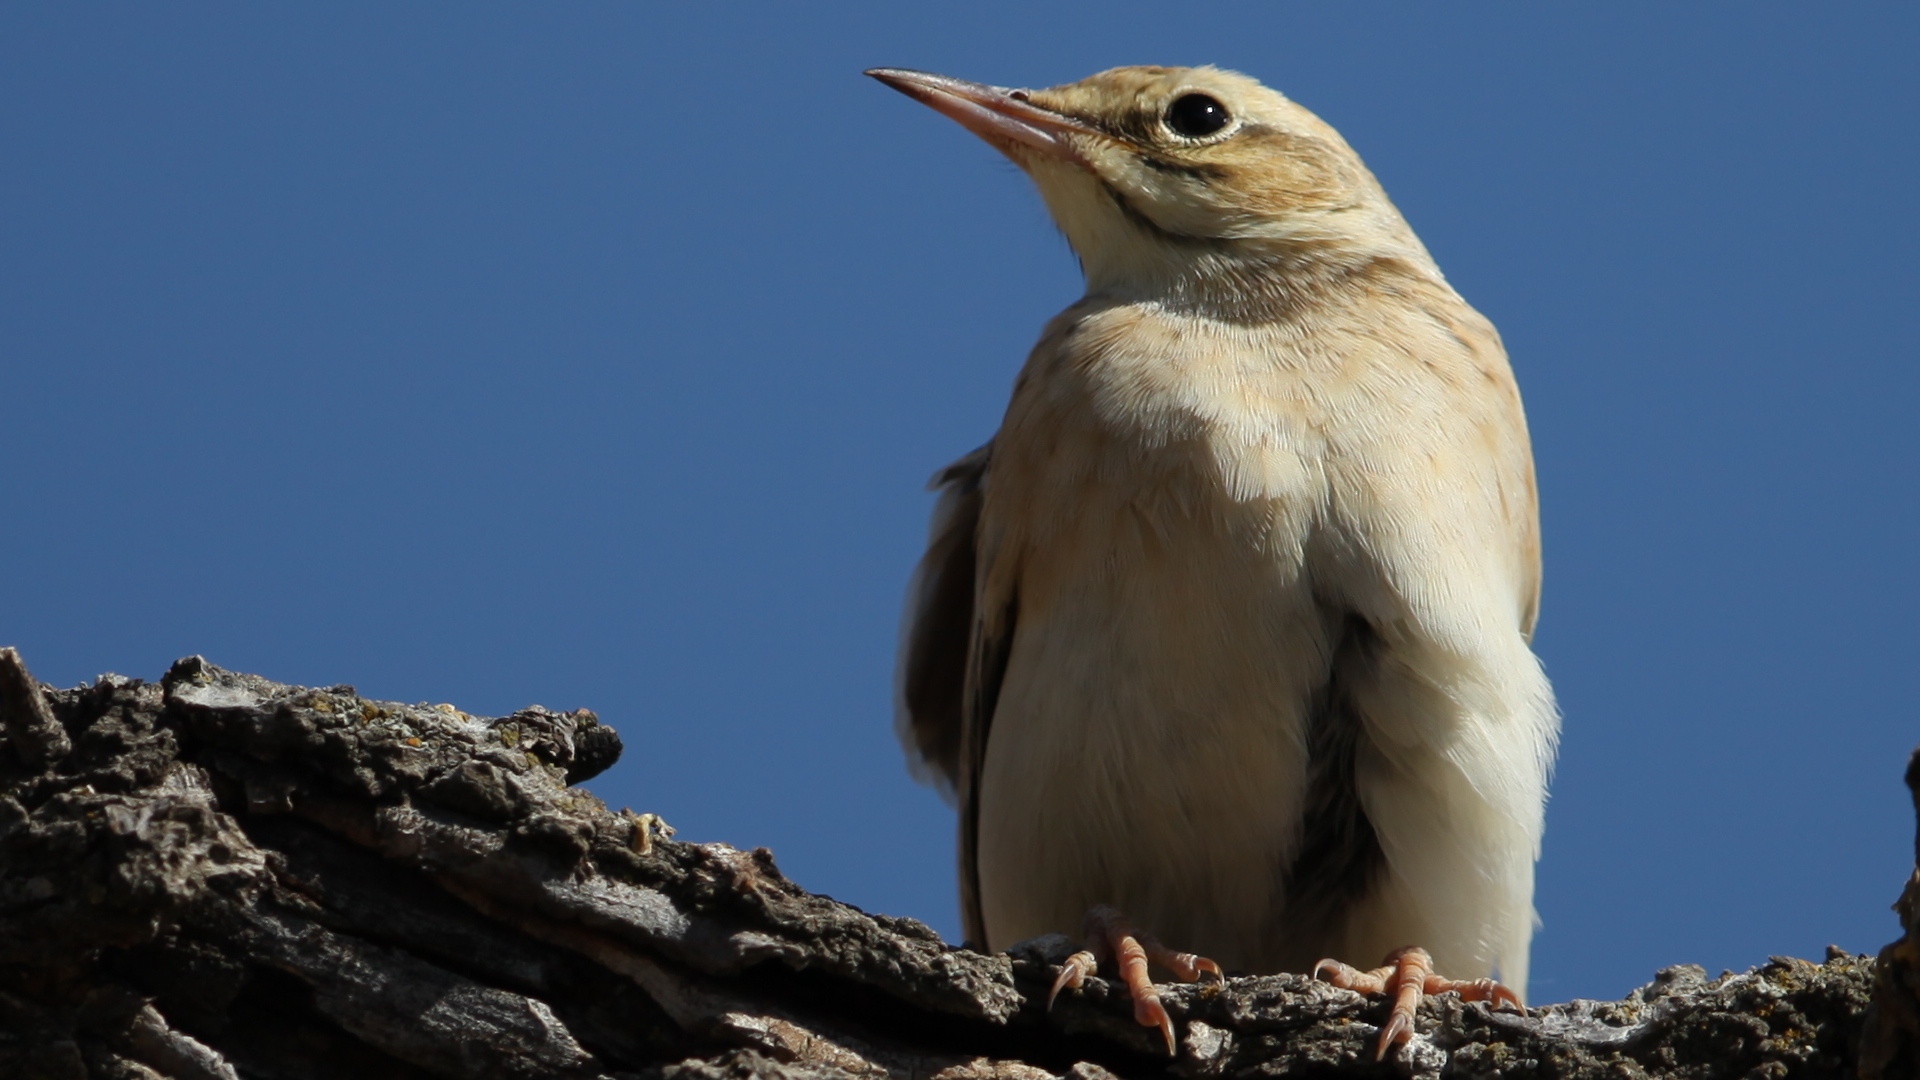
(1177,168)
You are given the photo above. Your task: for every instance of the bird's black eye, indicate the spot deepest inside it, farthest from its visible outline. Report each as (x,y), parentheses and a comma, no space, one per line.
(1196,116)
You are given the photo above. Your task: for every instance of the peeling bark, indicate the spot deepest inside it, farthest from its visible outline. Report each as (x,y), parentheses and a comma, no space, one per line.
(220,877)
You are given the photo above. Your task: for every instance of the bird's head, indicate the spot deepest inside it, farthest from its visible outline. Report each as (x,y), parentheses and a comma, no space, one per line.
(1174,180)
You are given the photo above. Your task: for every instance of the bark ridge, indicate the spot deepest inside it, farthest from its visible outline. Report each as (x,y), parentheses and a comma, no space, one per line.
(218,877)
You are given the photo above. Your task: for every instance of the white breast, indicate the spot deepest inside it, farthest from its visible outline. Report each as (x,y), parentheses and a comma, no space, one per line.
(1167,649)
(1181,513)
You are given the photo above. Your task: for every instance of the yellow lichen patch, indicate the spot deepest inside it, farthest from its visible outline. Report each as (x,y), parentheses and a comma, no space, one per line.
(644,826)
(414,740)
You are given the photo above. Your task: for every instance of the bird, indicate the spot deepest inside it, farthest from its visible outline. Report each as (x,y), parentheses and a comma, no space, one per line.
(1224,638)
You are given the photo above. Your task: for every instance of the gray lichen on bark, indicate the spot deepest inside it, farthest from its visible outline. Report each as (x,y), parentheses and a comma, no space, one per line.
(219,876)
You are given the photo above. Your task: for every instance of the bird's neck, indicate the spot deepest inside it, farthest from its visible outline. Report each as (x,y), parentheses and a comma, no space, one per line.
(1273,284)
(1259,270)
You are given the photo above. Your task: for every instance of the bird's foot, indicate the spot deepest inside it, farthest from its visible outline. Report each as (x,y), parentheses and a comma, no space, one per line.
(1113,940)
(1407,974)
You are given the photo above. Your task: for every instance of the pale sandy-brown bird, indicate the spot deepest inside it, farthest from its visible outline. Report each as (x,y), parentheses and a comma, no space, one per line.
(1228,627)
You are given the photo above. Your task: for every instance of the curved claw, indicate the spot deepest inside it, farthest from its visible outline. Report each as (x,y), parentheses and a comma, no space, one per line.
(1477,990)
(1398,1029)
(1147,1010)
(1407,974)
(1129,951)
(1131,957)
(1352,978)
(1073,975)
(1150,1013)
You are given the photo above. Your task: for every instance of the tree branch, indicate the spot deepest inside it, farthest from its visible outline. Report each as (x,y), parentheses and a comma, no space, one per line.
(221,877)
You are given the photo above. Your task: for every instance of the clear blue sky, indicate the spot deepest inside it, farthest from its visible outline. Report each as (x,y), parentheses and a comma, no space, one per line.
(595,355)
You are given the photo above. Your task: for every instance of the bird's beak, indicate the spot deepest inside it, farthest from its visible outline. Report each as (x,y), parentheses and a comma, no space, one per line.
(1003,117)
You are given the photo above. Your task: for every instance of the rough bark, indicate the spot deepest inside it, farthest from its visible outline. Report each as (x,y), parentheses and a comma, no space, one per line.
(221,877)
(1890,1044)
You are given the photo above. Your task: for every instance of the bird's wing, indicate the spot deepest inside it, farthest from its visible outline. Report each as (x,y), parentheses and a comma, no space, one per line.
(951,663)
(1511,454)
(1339,857)
(989,647)
(931,675)
(1458,721)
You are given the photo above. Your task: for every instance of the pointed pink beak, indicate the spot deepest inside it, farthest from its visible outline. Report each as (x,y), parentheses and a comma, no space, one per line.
(1003,117)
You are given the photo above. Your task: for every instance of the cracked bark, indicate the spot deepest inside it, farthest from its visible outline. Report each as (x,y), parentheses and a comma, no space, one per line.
(219,877)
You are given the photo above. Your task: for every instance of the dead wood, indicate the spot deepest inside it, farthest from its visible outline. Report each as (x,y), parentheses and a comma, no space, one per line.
(219,876)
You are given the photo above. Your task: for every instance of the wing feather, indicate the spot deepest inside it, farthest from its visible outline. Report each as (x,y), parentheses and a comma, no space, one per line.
(930,680)
(986,667)
(952,658)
